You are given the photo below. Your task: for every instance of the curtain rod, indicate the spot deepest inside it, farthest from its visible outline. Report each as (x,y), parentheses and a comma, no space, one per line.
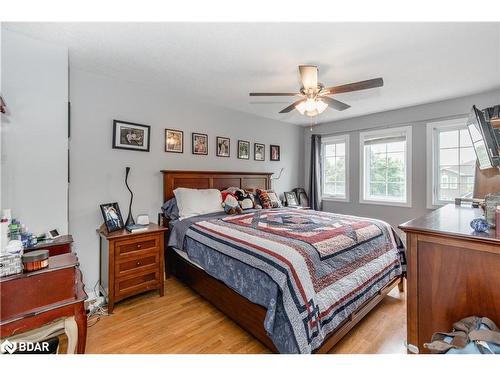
(393,125)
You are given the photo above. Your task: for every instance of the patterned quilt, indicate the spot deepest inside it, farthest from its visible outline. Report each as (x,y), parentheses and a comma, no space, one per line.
(326,265)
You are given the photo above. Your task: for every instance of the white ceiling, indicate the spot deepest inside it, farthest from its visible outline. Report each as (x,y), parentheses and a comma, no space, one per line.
(221,63)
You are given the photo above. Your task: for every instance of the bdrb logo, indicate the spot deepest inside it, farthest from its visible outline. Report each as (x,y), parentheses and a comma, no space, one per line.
(22,346)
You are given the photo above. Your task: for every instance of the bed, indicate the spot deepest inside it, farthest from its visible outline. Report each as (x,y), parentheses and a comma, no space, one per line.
(251,266)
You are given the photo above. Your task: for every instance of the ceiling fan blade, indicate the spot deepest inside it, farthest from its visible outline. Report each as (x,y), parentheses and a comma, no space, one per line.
(308,76)
(355,86)
(291,107)
(335,104)
(273,93)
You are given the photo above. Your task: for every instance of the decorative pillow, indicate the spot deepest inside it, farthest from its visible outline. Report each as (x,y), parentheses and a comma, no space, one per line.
(264,198)
(275,200)
(268,198)
(192,202)
(230,204)
(170,209)
(245,199)
(256,199)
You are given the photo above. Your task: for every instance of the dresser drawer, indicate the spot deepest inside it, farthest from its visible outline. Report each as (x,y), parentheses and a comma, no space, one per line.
(133,246)
(137,282)
(146,260)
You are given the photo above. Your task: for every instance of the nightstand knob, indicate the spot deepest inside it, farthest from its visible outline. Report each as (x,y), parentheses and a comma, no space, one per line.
(138,263)
(138,246)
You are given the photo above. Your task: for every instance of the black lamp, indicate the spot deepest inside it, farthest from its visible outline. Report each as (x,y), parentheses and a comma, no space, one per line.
(130,219)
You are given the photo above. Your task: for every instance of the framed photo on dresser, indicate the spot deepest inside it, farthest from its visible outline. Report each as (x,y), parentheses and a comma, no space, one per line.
(112,216)
(223,147)
(199,144)
(259,151)
(131,136)
(174,141)
(243,150)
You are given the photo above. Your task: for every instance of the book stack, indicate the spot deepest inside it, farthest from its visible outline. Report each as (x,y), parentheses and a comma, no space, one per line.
(136,228)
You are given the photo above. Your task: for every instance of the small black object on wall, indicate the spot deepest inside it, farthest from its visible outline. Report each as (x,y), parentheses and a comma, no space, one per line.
(3,107)
(130,219)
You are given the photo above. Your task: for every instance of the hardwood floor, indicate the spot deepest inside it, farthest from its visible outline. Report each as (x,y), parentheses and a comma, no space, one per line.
(183,322)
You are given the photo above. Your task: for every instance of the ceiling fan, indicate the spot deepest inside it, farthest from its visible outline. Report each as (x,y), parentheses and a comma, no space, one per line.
(314,97)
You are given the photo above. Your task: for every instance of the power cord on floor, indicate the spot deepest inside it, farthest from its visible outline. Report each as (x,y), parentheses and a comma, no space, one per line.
(95,315)
(98,309)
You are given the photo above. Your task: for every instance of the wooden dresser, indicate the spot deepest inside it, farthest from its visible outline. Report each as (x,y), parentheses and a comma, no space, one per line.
(131,263)
(57,246)
(453,272)
(30,300)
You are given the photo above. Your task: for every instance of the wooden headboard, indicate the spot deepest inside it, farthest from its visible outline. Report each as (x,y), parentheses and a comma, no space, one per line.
(213,180)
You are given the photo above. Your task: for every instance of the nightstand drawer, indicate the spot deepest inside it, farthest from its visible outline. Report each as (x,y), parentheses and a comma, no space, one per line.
(137,263)
(129,247)
(137,282)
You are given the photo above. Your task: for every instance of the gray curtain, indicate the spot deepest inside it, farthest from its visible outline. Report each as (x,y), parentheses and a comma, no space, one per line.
(315,173)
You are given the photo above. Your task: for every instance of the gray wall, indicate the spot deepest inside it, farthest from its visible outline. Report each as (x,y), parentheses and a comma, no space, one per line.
(97,170)
(34,132)
(417,117)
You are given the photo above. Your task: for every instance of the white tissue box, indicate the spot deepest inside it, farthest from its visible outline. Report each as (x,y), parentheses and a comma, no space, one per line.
(10,264)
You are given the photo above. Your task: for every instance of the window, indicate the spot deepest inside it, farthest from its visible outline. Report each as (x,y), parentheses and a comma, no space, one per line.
(451,163)
(334,174)
(386,167)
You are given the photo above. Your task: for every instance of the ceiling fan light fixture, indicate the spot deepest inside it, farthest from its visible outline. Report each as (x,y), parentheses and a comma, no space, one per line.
(301,107)
(311,107)
(321,106)
(312,113)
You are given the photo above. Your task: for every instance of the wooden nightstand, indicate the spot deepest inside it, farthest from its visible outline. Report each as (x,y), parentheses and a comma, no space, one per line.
(131,263)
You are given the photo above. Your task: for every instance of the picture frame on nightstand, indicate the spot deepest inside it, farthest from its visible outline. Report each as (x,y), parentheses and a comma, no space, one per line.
(291,198)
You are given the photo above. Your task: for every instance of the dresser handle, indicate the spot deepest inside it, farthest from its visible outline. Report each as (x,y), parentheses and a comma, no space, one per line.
(138,264)
(138,246)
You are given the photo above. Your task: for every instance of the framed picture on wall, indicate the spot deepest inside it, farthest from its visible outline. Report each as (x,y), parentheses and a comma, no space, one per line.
(275,152)
(243,150)
(174,141)
(112,216)
(131,136)
(259,151)
(223,147)
(199,144)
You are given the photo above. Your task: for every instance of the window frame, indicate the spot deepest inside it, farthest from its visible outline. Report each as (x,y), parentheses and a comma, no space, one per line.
(344,138)
(432,172)
(407,130)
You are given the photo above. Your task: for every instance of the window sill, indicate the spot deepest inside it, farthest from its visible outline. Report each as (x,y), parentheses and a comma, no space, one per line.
(330,198)
(386,203)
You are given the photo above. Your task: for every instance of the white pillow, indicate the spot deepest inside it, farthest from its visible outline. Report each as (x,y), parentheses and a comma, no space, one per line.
(192,202)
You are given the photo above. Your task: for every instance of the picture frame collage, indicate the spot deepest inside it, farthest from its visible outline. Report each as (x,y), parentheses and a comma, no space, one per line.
(136,137)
